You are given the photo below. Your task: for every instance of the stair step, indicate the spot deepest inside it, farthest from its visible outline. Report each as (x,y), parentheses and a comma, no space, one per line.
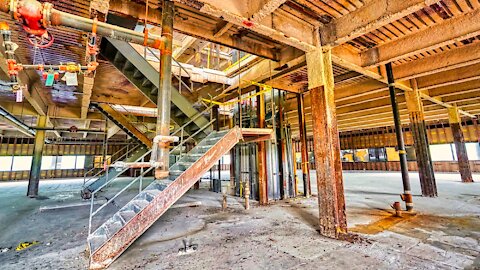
(127,215)
(176,172)
(137,74)
(140,203)
(154,91)
(96,241)
(112,226)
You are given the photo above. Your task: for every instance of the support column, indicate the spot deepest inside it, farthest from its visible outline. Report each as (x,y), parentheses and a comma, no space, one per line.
(459,140)
(165,89)
(217,184)
(34,179)
(331,200)
(407,194)
(422,149)
(262,153)
(307,190)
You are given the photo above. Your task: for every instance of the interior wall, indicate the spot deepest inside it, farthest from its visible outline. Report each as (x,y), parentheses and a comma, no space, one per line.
(15,146)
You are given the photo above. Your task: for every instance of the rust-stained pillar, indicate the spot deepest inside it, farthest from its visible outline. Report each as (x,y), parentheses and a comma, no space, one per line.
(217,183)
(331,200)
(262,152)
(459,140)
(35,169)
(407,193)
(165,89)
(422,149)
(307,190)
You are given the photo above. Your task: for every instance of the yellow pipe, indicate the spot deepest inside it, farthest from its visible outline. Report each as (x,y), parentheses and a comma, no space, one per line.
(236,63)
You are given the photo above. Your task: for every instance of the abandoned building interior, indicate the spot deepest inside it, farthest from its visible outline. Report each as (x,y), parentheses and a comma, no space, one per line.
(240,134)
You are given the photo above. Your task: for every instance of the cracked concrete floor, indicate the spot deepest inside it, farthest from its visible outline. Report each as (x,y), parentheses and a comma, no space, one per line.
(444,234)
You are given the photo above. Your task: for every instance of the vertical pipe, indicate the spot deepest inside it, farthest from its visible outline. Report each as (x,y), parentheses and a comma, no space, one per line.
(165,88)
(303,143)
(34,179)
(262,153)
(281,148)
(407,194)
(217,182)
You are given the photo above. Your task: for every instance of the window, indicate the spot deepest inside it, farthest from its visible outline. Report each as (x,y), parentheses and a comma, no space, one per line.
(22,163)
(377,154)
(48,162)
(473,151)
(67,162)
(5,163)
(80,162)
(441,152)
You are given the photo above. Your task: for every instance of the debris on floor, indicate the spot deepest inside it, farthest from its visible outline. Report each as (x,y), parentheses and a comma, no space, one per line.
(25,245)
(188,247)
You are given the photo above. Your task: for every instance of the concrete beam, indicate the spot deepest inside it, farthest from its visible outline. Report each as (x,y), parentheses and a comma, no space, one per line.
(452,59)
(184,26)
(448,32)
(373,15)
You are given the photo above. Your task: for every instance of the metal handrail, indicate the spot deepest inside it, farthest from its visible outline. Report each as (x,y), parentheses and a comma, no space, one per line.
(179,78)
(193,119)
(181,66)
(93,213)
(85,181)
(118,174)
(194,134)
(92,169)
(92,198)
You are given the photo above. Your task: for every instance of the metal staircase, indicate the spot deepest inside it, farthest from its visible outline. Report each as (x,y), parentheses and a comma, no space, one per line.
(115,235)
(99,179)
(146,78)
(132,155)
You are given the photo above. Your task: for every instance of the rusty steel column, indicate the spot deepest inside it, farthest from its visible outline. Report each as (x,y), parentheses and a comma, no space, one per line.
(331,200)
(35,169)
(422,149)
(165,89)
(459,140)
(217,183)
(407,193)
(262,153)
(307,190)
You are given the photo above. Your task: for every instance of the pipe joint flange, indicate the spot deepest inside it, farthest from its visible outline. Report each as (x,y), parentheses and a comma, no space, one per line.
(165,139)
(47,15)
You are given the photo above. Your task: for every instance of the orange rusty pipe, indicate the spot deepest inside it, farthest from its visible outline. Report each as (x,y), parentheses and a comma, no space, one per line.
(32,16)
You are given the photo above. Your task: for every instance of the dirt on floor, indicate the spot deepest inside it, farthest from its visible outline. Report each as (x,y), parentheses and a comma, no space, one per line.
(281,236)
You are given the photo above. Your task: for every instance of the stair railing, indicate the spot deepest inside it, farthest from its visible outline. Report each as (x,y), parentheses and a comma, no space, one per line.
(110,200)
(108,160)
(143,172)
(179,77)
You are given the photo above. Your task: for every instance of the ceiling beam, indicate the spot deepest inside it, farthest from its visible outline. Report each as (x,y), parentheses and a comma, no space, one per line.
(187,42)
(295,33)
(448,60)
(266,9)
(371,16)
(185,26)
(446,33)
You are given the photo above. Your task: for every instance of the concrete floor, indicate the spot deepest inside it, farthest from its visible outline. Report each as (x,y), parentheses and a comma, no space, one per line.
(444,234)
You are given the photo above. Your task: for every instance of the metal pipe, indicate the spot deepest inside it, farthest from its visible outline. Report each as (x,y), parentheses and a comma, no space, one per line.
(407,194)
(165,88)
(22,127)
(303,145)
(97,131)
(40,16)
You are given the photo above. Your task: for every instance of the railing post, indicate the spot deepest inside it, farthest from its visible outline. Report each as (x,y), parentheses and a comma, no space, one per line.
(141,177)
